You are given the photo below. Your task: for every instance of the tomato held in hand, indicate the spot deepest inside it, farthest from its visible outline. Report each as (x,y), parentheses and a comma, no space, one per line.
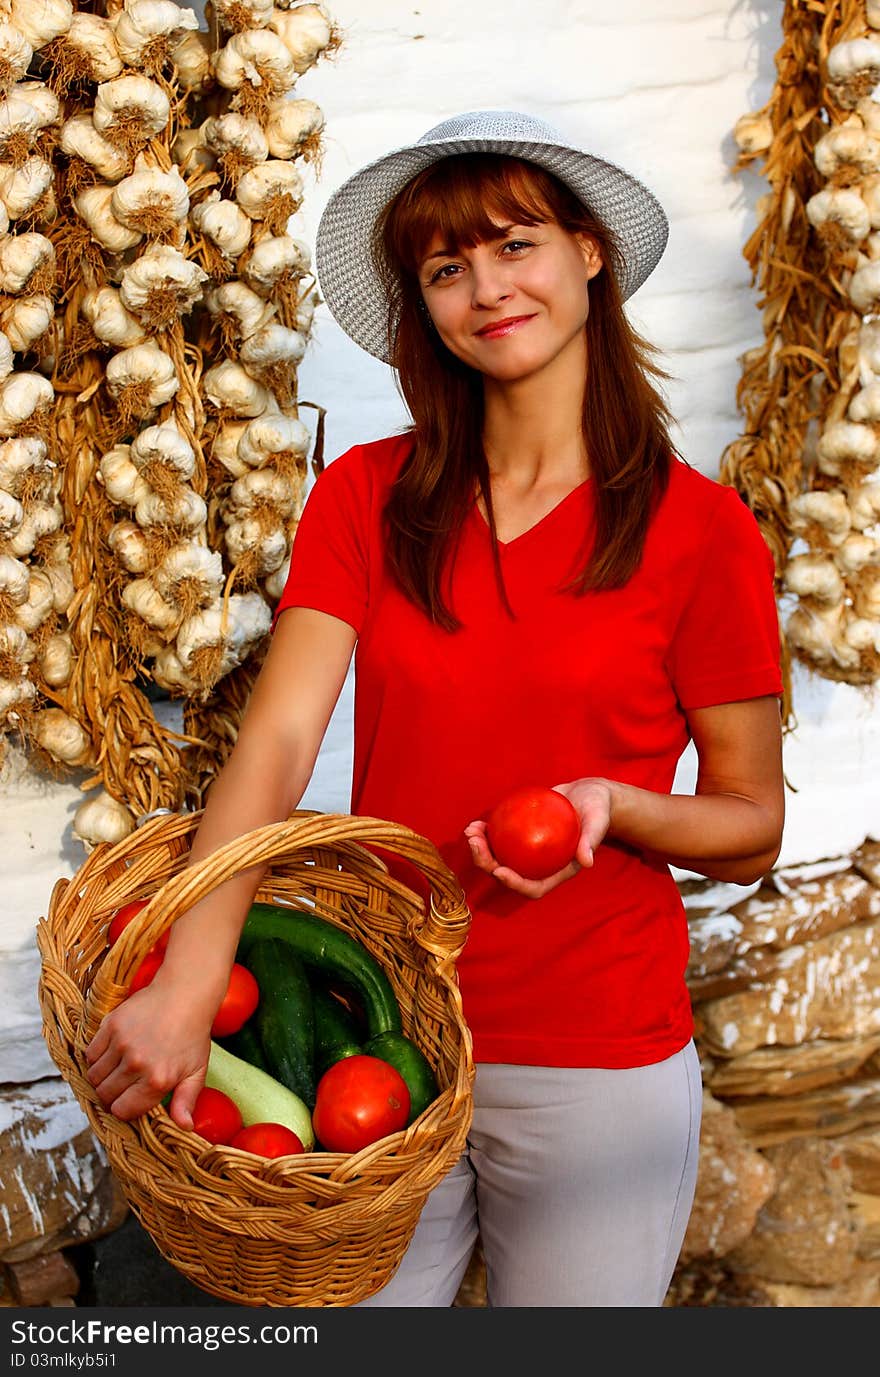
(123,916)
(267,1140)
(239,1002)
(357,1101)
(216,1116)
(534,831)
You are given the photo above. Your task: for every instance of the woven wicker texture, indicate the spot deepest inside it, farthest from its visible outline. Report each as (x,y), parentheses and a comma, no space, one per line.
(321,1229)
(350,283)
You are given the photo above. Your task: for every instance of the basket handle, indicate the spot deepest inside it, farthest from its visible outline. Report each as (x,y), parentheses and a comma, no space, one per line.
(442,929)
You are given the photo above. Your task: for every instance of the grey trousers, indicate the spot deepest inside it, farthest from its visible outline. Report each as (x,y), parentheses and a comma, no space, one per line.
(579,1181)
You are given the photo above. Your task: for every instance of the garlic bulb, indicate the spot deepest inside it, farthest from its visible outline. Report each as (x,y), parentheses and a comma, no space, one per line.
(305,312)
(847,449)
(224,223)
(186,511)
(93,206)
(130,110)
(863,636)
(25,468)
(16,695)
(823,518)
(815,630)
(238,15)
(275,583)
(239,310)
(753,133)
(256,58)
(276,260)
(864,506)
(61,736)
(856,552)
(865,404)
(191,57)
(306,33)
(130,546)
(42,100)
(122,480)
(150,200)
(230,387)
(864,287)
(293,127)
(144,374)
(237,140)
(161,285)
(80,139)
(11,513)
(16,649)
(866,595)
(6,359)
(190,151)
(38,603)
(224,447)
(22,396)
(56,659)
(15,580)
(19,127)
(258,545)
(853,69)
(102,819)
(272,192)
(143,598)
(271,346)
(40,519)
(839,215)
(147,30)
(15,55)
(23,188)
(162,452)
(260,488)
(217,639)
(814,577)
(90,48)
(190,577)
(60,576)
(110,322)
(848,149)
(26,320)
(27,263)
(268,436)
(41,20)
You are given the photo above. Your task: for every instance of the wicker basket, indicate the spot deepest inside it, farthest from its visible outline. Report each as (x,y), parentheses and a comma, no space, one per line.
(321,1229)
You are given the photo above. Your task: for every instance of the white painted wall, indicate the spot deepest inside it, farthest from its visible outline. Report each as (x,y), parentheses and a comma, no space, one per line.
(655,87)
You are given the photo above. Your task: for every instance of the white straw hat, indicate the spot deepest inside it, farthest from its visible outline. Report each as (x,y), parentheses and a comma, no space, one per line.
(347,274)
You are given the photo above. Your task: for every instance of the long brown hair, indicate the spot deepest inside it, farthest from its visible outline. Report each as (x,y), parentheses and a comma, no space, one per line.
(625,418)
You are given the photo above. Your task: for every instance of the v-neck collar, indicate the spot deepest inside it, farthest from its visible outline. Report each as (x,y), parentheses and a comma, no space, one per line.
(538,525)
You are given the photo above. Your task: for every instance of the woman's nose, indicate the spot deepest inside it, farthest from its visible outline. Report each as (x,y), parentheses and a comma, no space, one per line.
(489,283)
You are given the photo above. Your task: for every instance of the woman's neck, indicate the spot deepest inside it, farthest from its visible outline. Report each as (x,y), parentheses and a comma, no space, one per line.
(533,431)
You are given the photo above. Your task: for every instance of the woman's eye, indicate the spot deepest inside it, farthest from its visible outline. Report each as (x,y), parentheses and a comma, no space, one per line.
(514,245)
(446,271)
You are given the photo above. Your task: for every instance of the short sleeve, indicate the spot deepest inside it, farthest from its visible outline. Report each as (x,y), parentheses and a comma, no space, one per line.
(725,647)
(329,560)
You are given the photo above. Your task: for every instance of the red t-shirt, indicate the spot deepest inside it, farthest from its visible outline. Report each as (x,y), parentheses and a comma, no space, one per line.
(445,724)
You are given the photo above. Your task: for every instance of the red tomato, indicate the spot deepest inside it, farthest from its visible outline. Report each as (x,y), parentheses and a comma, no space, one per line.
(358,1100)
(267,1140)
(123,916)
(215,1116)
(147,969)
(534,831)
(239,1002)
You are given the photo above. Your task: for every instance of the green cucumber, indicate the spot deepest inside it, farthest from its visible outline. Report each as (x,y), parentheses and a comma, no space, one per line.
(246,1044)
(259,1097)
(284,1016)
(333,953)
(337,1034)
(403,1054)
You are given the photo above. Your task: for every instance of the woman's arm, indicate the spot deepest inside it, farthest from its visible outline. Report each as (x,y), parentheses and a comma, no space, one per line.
(729,829)
(159,1038)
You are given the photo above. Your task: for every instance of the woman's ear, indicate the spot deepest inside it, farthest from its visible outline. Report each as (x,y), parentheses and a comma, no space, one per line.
(592,254)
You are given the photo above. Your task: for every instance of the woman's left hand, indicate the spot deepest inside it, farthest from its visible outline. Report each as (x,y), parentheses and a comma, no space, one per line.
(592,801)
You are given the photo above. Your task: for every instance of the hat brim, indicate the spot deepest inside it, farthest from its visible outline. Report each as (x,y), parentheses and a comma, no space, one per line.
(348,279)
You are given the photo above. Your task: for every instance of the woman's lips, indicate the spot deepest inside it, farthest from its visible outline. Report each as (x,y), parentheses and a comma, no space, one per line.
(502,327)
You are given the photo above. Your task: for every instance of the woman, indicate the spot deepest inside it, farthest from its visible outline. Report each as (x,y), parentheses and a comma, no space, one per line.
(539,591)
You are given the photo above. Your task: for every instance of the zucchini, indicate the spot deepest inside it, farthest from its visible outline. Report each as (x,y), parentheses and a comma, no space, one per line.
(335,954)
(337,1034)
(284,1018)
(260,1098)
(413,1065)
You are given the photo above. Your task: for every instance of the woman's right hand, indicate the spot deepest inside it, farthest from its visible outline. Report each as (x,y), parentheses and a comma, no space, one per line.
(156,1040)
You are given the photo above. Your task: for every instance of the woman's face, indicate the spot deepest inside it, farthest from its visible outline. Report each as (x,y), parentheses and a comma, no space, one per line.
(513,304)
